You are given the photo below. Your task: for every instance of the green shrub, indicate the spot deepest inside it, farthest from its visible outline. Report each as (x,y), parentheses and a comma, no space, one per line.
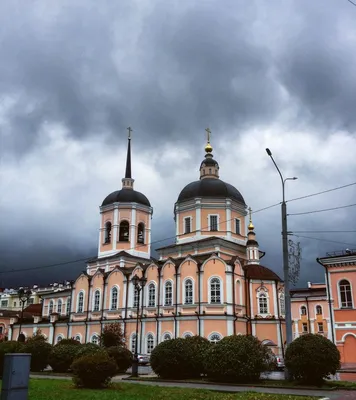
(311,358)
(200,346)
(65,342)
(122,357)
(10,346)
(62,357)
(112,335)
(88,349)
(240,358)
(93,371)
(40,351)
(176,358)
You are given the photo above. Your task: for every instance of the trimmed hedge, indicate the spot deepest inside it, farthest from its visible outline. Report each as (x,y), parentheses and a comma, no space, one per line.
(89,349)
(10,346)
(93,371)
(62,357)
(40,351)
(122,357)
(237,358)
(311,358)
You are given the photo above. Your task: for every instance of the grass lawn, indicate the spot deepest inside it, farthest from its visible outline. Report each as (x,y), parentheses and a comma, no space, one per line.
(47,389)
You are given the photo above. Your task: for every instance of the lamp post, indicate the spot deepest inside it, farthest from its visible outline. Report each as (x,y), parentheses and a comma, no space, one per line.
(139,284)
(24,295)
(288,312)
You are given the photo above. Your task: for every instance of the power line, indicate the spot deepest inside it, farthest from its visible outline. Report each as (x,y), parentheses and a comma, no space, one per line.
(324,191)
(322,240)
(325,209)
(354,4)
(323,231)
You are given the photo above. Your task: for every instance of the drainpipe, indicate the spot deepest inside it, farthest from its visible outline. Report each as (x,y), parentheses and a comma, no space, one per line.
(103,305)
(308,315)
(248,306)
(199,301)
(87,318)
(234,299)
(176,304)
(279,319)
(158,305)
(329,299)
(141,324)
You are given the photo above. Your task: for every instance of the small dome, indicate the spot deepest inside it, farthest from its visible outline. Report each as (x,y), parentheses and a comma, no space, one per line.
(209,162)
(210,187)
(126,196)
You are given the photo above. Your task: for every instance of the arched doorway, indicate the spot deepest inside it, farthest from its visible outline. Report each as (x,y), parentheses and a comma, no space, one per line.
(350,349)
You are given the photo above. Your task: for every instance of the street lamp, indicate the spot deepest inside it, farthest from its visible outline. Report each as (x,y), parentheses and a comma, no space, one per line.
(139,284)
(24,296)
(288,313)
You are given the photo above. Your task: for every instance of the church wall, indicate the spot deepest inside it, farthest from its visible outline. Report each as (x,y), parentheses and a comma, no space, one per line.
(107,216)
(240,327)
(59,331)
(81,284)
(215,325)
(255,288)
(213,268)
(116,278)
(188,269)
(268,330)
(235,214)
(188,326)
(205,220)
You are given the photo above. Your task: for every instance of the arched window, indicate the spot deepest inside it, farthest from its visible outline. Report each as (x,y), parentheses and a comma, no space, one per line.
(345,294)
(151,295)
(188,292)
(133,343)
(135,297)
(59,306)
(51,306)
(262,303)
(187,335)
(68,306)
(80,304)
(319,310)
(78,338)
(215,291)
(114,298)
(282,304)
(141,233)
(59,338)
(107,238)
(96,306)
(303,310)
(168,294)
(150,343)
(167,336)
(95,339)
(214,338)
(124,231)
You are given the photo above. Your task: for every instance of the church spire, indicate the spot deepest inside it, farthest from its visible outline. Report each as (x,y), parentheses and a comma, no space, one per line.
(127,182)
(209,168)
(252,250)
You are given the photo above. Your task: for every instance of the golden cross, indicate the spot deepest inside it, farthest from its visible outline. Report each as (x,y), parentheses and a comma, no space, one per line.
(130,130)
(250,212)
(208,132)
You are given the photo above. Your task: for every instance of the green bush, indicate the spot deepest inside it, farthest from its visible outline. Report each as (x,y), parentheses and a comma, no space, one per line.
(112,335)
(62,357)
(65,342)
(10,346)
(88,349)
(240,358)
(122,357)
(93,371)
(312,358)
(177,358)
(200,346)
(40,351)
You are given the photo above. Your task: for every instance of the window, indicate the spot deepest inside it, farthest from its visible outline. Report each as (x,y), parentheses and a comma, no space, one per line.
(141,233)
(188,334)
(237,226)
(345,294)
(59,338)
(320,327)
(80,305)
(187,225)
(95,339)
(262,303)
(167,336)
(133,343)
(150,343)
(188,287)
(15,304)
(59,306)
(214,338)
(124,231)
(213,222)
(303,310)
(30,301)
(78,339)
(114,298)
(107,237)
(96,306)
(51,306)
(151,295)
(215,291)
(4,303)
(282,304)
(168,294)
(135,299)
(305,328)
(319,310)
(68,306)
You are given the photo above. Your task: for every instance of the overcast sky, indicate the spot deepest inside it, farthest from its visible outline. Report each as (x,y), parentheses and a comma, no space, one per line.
(74,74)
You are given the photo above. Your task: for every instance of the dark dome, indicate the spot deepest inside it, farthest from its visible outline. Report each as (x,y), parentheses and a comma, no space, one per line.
(256,271)
(126,196)
(209,162)
(210,187)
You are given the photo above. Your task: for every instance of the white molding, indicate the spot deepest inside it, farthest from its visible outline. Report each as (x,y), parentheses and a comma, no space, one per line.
(132,236)
(114,228)
(218,222)
(275,303)
(221,289)
(177,224)
(228,218)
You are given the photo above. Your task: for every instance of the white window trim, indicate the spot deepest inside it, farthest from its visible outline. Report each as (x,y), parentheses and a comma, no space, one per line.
(191,225)
(283,312)
(54,309)
(339,294)
(240,226)
(146,341)
(133,297)
(62,303)
(184,291)
(187,333)
(104,232)
(238,288)
(214,333)
(78,335)
(221,290)
(77,304)
(164,292)
(265,293)
(322,311)
(148,293)
(218,219)
(166,333)
(59,336)
(92,336)
(93,300)
(306,310)
(118,297)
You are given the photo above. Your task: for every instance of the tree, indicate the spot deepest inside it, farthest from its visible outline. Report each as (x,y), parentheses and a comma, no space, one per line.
(112,335)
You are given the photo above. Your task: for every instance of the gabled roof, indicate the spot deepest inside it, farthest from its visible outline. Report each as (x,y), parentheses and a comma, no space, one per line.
(257,271)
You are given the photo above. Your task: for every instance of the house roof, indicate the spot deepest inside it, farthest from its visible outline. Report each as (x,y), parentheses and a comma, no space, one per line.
(257,271)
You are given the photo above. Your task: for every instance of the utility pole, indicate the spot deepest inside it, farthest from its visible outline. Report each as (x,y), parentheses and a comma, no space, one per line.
(288,311)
